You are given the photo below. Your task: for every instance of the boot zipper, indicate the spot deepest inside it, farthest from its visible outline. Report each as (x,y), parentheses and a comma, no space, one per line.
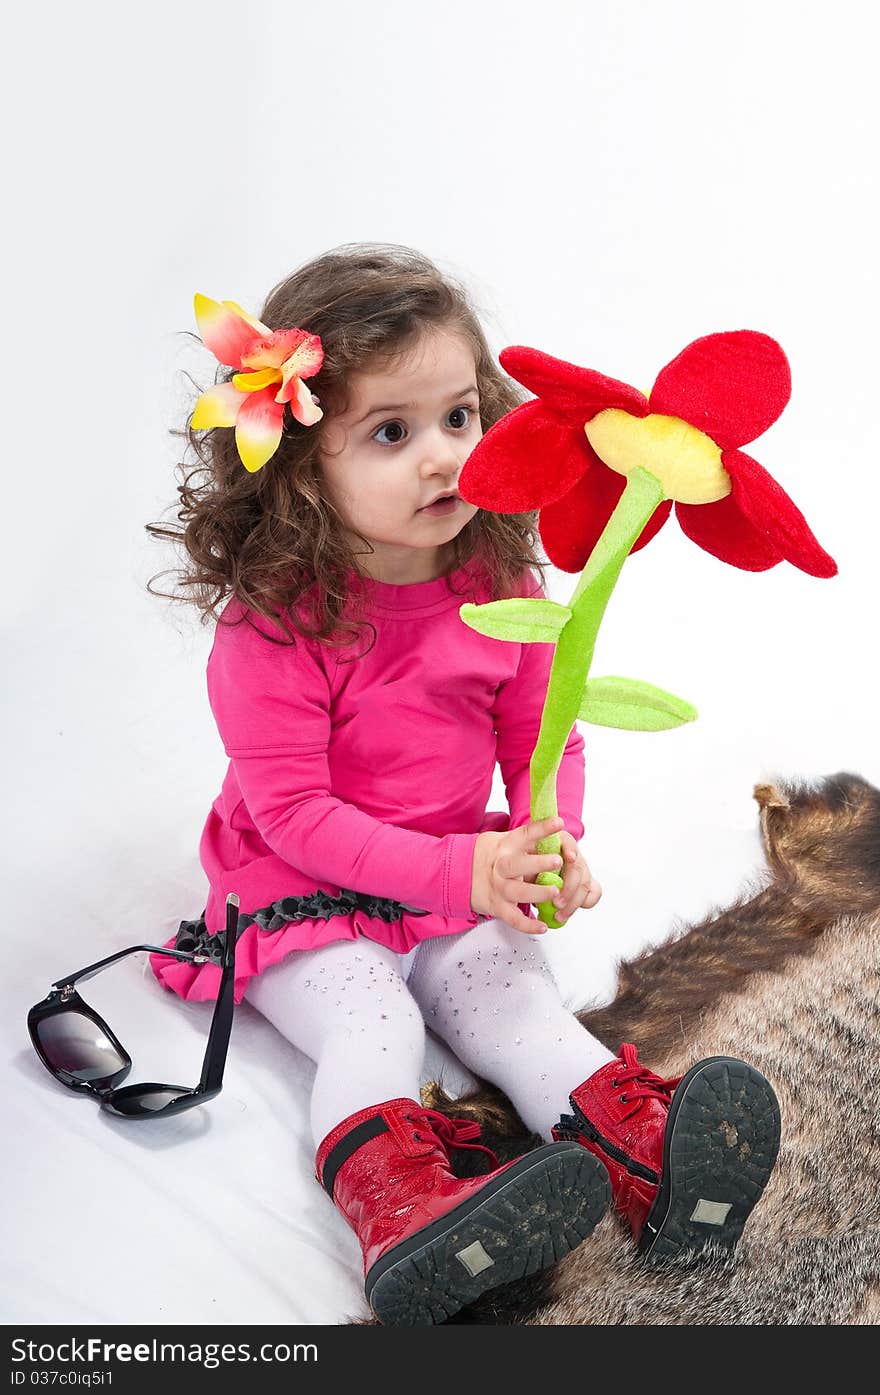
(581,1124)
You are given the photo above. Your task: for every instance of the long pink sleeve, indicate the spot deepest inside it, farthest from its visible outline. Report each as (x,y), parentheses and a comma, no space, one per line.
(271,704)
(517,711)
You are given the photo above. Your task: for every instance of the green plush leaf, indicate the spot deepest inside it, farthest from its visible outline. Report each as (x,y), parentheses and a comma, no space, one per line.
(631,705)
(525,619)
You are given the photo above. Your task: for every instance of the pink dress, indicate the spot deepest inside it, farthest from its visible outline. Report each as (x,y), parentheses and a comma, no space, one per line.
(357,786)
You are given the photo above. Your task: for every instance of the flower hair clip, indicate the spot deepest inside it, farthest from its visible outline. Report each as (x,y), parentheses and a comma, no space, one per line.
(272,365)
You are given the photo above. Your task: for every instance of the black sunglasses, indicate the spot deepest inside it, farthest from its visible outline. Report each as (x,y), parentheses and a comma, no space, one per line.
(78,1048)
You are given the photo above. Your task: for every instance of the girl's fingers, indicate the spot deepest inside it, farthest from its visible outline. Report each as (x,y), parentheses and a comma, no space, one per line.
(527,867)
(569,905)
(515,918)
(544,862)
(542,828)
(518,892)
(530,863)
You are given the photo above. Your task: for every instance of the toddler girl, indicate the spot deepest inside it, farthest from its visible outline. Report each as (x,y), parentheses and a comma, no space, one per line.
(362,720)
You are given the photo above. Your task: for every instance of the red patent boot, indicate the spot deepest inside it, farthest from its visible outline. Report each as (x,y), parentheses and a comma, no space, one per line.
(432,1241)
(688,1157)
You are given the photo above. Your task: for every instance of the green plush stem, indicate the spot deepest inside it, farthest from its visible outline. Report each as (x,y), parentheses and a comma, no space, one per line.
(574,653)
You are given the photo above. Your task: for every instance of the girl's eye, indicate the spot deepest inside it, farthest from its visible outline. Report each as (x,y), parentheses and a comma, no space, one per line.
(397,426)
(389,426)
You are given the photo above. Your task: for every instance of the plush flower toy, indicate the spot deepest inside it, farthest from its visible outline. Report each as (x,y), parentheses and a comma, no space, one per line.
(603,464)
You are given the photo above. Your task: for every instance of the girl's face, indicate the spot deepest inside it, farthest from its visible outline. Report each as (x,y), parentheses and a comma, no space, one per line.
(403,441)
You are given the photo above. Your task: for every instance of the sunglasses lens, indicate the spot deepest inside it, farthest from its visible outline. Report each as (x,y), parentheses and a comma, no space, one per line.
(76,1044)
(145,1099)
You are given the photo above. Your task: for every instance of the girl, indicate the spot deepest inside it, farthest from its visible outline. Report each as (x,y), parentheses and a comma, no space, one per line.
(362,720)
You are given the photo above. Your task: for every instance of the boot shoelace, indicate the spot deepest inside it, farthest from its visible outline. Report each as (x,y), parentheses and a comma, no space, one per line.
(451,1133)
(643,1083)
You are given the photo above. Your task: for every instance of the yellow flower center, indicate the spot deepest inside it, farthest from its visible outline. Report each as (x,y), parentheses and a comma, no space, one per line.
(253,382)
(684,459)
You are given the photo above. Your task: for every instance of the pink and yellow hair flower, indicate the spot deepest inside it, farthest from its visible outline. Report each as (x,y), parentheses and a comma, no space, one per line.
(272,367)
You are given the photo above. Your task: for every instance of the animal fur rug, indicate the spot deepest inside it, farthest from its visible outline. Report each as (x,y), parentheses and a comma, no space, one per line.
(787,978)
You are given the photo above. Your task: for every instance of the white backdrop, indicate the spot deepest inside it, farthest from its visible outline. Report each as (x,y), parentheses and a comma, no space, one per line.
(611,181)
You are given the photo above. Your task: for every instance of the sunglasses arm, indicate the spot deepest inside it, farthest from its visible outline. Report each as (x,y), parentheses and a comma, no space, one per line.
(218,1040)
(92,969)
(221,1022)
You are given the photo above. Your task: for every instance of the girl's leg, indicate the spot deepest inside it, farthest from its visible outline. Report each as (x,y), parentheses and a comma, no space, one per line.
(490,994)
(347,1007)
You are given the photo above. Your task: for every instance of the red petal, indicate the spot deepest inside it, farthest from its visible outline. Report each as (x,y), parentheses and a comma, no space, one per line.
(528,458)
(258,428)
(723,529)
(571,527)
(732,386)
(280,346)
(572,392)
(776,518)
(224,330)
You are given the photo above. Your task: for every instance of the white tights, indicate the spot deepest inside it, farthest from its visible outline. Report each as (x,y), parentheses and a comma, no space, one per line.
(488,993)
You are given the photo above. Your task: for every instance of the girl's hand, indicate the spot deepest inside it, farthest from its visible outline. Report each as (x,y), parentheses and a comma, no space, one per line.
(579,886)
(504,871)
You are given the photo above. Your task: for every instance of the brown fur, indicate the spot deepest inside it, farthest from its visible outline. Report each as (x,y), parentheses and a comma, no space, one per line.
(810,1253)
(787,978)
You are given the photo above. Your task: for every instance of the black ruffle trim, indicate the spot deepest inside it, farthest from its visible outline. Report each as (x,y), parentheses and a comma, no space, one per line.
(193,936)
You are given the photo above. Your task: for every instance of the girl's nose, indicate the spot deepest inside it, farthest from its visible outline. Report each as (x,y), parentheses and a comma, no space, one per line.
(439,452)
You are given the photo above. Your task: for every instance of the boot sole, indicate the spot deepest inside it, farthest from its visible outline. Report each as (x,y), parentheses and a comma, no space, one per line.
(530,1215)
(719,1148)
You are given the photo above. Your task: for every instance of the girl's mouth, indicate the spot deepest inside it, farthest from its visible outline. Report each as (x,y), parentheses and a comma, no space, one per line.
(442,506)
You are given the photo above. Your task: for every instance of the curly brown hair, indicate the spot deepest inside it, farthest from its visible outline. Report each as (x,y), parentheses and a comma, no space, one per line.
(273,538)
